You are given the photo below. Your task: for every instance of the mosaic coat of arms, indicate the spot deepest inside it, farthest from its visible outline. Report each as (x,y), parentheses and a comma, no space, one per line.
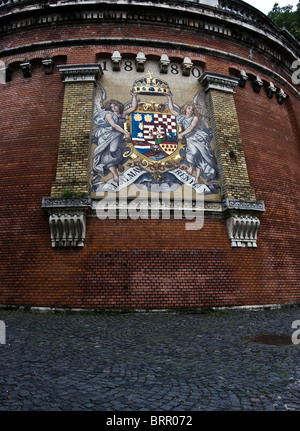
(153,143)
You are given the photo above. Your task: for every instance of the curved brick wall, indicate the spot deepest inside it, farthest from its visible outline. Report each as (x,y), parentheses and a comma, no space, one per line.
(147,264)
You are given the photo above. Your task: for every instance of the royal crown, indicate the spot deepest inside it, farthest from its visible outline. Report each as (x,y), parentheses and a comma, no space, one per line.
(151,85)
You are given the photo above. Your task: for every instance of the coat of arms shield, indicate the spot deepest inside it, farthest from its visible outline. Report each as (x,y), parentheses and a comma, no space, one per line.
(153,128)
(154,133)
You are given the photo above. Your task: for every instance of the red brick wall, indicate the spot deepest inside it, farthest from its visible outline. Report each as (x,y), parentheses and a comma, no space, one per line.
(271,142)
(142,264)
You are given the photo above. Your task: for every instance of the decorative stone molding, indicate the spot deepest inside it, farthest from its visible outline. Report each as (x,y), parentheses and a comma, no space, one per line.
(80,72)
(49,203)
(242,230)
(216,81)
(235,204)
(67,220)
(223,55)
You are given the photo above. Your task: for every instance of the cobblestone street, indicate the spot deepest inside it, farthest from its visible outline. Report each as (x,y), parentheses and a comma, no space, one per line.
(148,362)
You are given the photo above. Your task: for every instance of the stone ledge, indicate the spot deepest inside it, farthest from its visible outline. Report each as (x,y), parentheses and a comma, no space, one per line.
(242,205)
(76,202)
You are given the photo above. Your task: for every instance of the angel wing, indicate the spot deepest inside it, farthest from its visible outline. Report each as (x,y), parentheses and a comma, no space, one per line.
(100,97)
(200,102)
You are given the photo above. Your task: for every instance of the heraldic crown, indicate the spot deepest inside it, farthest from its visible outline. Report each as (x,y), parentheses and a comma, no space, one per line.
(150,85)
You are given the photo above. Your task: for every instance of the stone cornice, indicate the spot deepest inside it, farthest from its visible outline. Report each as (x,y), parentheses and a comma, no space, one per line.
(216,81)
(238,205)
(51,204)
(46,45)
(80,72)
(235,20)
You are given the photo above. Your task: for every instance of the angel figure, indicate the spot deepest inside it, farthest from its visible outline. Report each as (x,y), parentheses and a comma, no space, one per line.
(109,137)
(199,153)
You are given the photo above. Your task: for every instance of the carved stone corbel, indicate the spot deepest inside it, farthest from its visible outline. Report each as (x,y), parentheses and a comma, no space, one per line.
(140,61)
(242,230)
(26,68)
(164,63)
(186,66)
(48,65)
(116,60)
(243,79)
(243,222)
(67,229)
(257,84)
(271,90)
(281,96)
(67,220)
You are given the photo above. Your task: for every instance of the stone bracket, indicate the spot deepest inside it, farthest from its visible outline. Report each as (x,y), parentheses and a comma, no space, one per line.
(140,61)
(116,60)
(67,229)
(242,222)
(164,63)
(67,220)
(242,230)
(48,65)
(26,68)
(186,66)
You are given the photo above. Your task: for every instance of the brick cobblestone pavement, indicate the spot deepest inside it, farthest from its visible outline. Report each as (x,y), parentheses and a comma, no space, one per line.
(148,361)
